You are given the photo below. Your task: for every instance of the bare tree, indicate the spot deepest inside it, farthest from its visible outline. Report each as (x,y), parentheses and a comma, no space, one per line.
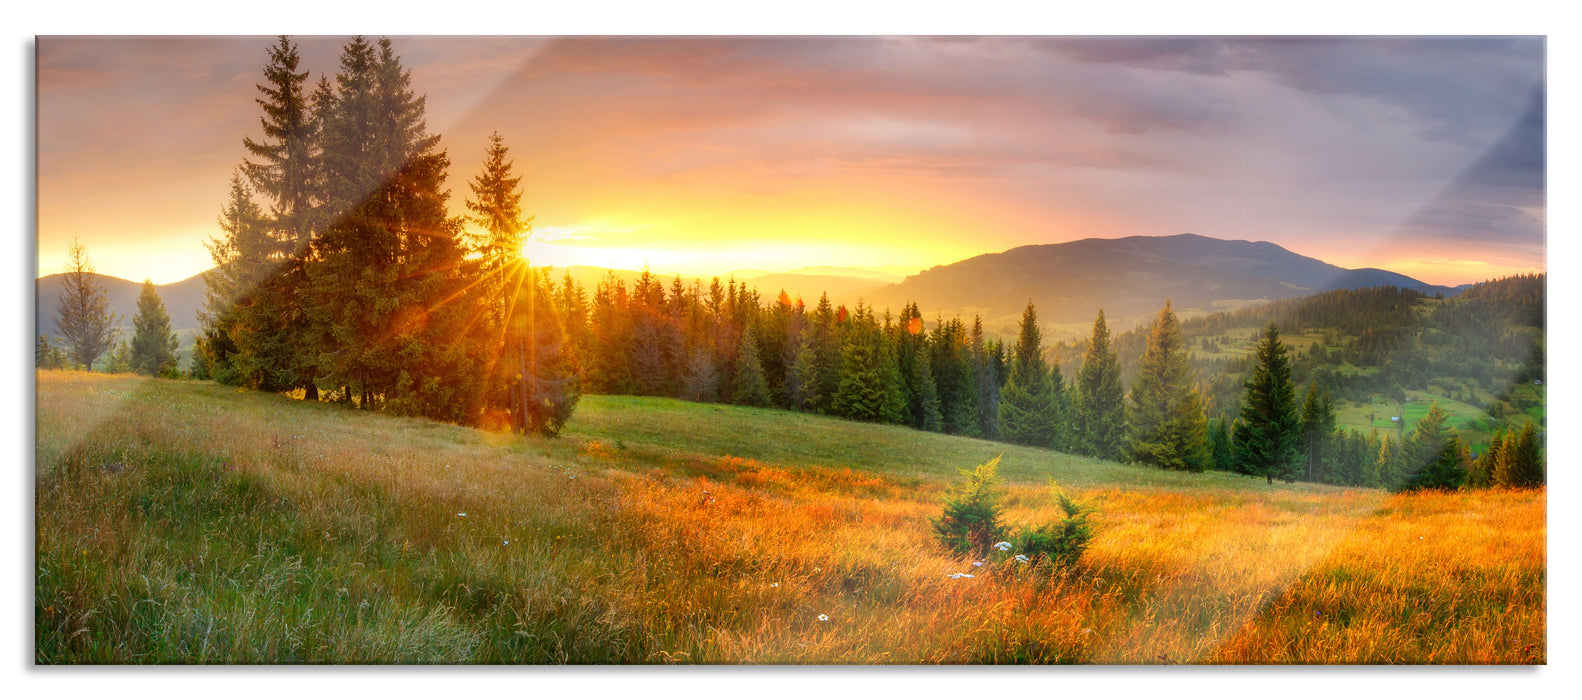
(83,312)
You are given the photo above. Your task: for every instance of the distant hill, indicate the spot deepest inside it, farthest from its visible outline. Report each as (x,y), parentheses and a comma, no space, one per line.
(1130,278)
(182,301)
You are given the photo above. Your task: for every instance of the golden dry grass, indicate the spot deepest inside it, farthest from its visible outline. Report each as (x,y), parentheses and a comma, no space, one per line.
(188,523)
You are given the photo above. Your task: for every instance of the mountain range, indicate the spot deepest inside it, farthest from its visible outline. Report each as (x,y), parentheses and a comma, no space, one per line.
(1130,278)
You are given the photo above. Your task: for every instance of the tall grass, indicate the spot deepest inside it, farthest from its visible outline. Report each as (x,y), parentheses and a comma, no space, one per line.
(182,522)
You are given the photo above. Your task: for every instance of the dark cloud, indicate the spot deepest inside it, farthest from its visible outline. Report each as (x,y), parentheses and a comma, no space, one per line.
(1457,86)
(1500,198)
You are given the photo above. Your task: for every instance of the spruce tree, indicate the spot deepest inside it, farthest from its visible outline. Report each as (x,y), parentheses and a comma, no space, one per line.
(1064,412)
(950,354)
(572,303)
(893,396)
(1165,424)
(802,387)
(609,368)
(1100,408)
(648,359)
(1522,466)
(908,338)
(47,356)
(828,342)
(749,387)
(496,206)
(1265,439)
(970,523)
(1317,432)
(1029,412)
(701,379)
(870,387)
(268,329)
(241,260)
(986,380)
(1424,446)
(925,397)
(83,311)
(1446,471)
(285,171)
(1387,472)
(387,263)
(153,343)
(1220,446)
(497,272)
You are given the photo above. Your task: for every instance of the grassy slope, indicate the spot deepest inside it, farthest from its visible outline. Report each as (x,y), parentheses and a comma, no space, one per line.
(185,522)
(656,428)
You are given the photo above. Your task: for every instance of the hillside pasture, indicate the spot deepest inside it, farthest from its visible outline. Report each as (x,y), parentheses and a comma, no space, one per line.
(186,522)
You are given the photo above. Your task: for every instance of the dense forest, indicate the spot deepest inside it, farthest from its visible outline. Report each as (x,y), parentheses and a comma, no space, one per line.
(341,276)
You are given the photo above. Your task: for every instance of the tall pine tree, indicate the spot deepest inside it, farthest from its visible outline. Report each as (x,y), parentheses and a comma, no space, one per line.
(1317,431)
(987,356)
(1446,470)
(1165,423)
(870,387)
(1265,439)
(1522,466)
(390,258)
(925,396)
(1029,413)
(1099,406)
(268,329)
(241,256)
(1424,447)
(153,343)
(749,388)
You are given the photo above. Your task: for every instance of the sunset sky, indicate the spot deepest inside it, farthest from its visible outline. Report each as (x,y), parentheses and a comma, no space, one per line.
(706,155)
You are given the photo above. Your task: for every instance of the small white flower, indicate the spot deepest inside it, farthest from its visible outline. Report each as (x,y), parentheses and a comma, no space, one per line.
(977,563)
(823,618)
(775,584)
(1087,630)
(506,542)
(462,514)
(1022,558)
(1002,546)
